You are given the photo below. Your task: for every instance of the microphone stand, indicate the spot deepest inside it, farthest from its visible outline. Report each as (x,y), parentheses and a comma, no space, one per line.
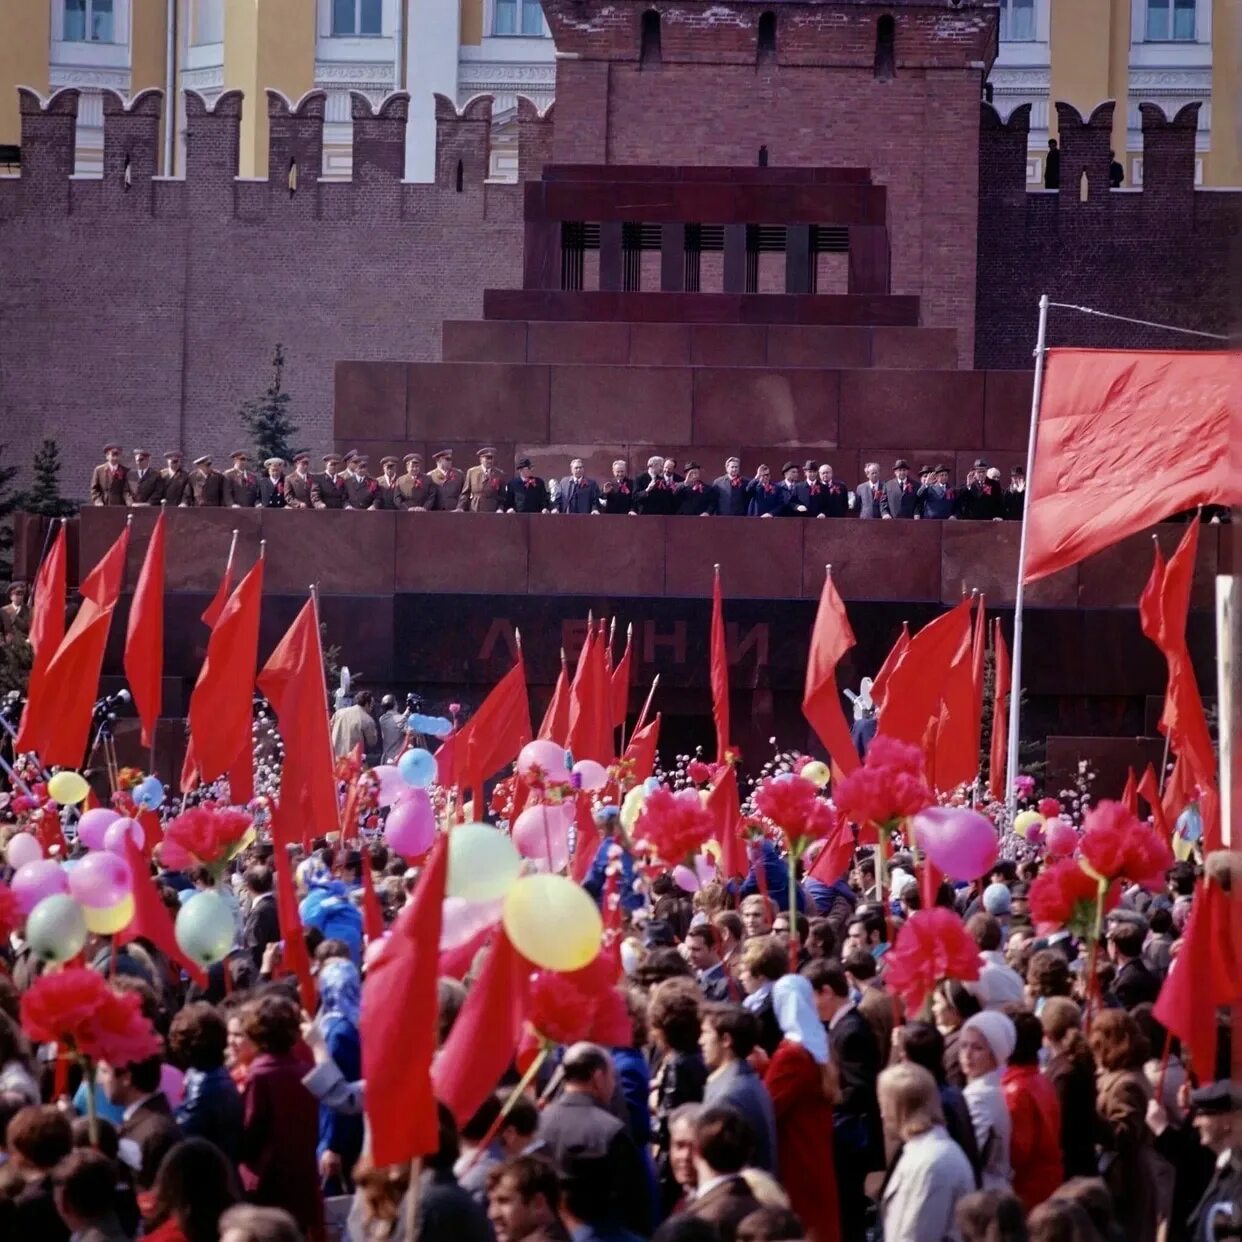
(104,738)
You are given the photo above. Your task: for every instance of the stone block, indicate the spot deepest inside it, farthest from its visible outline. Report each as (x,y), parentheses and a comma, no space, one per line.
(600,403)
(983,556)
(790,408)
(342,551)
(920,407)
(463,401)
(764,561)
(577,554)
(1007,410)
(361,625)
(483,340)
(814,345)
(1115,577)
(370,400)
(915,348)
(660,344)
(579,343)
(728,345)
(197,547)
(466,553)
(873,560)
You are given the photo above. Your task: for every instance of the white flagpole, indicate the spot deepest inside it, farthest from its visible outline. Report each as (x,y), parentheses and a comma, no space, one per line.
(1015,693)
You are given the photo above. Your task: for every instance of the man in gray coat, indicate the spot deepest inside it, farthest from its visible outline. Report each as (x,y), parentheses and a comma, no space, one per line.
(728,1036)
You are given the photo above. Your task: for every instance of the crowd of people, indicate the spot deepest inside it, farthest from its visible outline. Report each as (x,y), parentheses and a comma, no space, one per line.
(663,489)
(772,1088)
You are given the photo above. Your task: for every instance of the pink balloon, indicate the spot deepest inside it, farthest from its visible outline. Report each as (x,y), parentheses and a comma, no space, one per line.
(961,843)
(1062,837)
(462,920)
(691,879)
(541,832)
(547,756)
(119,832)
(391,786)
(93,824)
(685,879)
(37,880)
(411,825)
(23,848)
(100,880)
(594,775)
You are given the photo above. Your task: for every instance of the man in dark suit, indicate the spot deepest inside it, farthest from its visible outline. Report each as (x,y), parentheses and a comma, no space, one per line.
(176,482)
(272,491)
(655,468)
(732,498)
(360,489)
(241,484)
(526,493)
(656,495)
(579,1125)
(446,483)
(577,493)
(693,497)
(148,1121)
(386,484)
(936,498)
(729,1035)
(1218,1119)
(299,484)
(1015,496)
(143,485)
(832,498)
(982,499)
(722,1149)
(326,490)
(1134,984)
(262,925)
(787,488)
(617,493)
(108,481)
(901,498)
(523,1195)
(870,492)
(206,484)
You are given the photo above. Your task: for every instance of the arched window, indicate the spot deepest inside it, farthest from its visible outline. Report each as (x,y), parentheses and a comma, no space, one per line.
(649,47)
(886,47)
(766,49)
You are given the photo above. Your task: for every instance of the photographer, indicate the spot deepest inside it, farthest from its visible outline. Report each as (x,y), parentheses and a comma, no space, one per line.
(392,725)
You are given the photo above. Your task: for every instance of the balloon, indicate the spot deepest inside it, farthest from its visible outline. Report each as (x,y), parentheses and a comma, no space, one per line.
(1025,820)
(204,928)
(482,863)
(100,880)
(685,879)
(545,755)
(121,831)
(541,832)
(23,848)
(552,922)
(109,921)
(631,806)
(651,784)
(431,726)
(94,824)
(594,775)
(67,788)
(817,772)
(390,783)
(462,920)
(961,843)
(56,930)
(411,825)
(1035,834)
(37,880)
(417,768)
(149,794)
(1061,837)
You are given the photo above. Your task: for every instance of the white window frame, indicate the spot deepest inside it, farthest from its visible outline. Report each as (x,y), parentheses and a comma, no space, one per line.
(1006,7)
(120,28)
(197,8)
(1170,52)
(1169,37)
(327,12)
(489,26)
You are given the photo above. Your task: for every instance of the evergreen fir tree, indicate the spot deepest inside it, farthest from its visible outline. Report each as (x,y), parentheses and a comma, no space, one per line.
(8,503)
(266,418)
(44,496)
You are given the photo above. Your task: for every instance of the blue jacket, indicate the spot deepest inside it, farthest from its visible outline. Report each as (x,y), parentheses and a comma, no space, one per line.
(327,907)
(594,882)
(776,873)
(826,896)
(337,1131)
(211,1109)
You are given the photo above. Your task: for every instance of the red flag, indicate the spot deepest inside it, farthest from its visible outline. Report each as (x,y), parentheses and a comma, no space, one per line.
(486,1034)
(211,614)
(833,861)
(1149,789)
(956,755)
(292,680)
(492,737)
(60,720)
(555,724)
(587,840)
(221,735)
(642,749)
(724,804)
(144,636)
(398,1024)
(879,686)
(1168,418)
(295,956)
(831,638)
(372,911)
(1205,976)
(152,920)
(590,704)
(1002,685)
(719,671)
(621,682)
(47,630)
(977,660)
(1151,616)
(1129,795)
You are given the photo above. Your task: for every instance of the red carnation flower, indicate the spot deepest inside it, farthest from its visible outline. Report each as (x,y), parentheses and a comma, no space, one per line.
(674,826)
(699,772)
(794,806)
(888,788)
(582,1004)
(119,1033)
(933,945)
(206,834)
(77,1007)
(1048,807)
(1147,858)
(1064,895)
(1108,828)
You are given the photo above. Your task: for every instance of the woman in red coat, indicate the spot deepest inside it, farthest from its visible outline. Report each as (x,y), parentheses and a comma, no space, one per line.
(1034,1112)
(798,1080)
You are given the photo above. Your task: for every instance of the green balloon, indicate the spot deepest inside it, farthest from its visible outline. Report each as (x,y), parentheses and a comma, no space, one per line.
(205,928)
(56,929)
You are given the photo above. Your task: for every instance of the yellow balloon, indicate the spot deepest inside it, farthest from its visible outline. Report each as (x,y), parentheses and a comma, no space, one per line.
(817,772)
(67,788)
(552,922)
(111,919)
(482,863)
(1025,821)
(631,807)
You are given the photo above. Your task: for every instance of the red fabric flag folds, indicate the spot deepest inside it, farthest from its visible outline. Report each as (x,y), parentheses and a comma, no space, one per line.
(724,804)
(1002,685)
(719,671)
(151,920)
(144,636)
(642,749)
(620,686)
(47,630)
(831,638)
(555,724)
(492,737)
(879,686)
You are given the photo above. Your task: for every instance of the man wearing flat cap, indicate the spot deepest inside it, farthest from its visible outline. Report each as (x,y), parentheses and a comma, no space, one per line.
(326,489)
(484,488)
(273,494)
(982,499)
(386,484)
(526,493)
(361,491)
(15,615)
(175,481)
(413,489)
(787,489)
(241,484)
(694,497)
(900,498)
(1217,1110)
(1015,495)
(207,487)
(298,483)
(446,483)
(936,498)
(108,481)
(144,485)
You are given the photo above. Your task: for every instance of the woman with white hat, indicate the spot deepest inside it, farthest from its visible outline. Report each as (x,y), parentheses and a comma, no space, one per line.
(984,1047)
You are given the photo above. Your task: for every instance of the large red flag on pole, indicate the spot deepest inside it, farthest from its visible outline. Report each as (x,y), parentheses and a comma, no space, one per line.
(641,751)
(1002,681)
(555,724)
(879,685)
(620,685)
(831,638)
(292,680)
(719,670)
(492,737)
(1166,417)
(211,614)
(47,629)
(725,805)
(590,705)
(144,636)
(61,721)
(955,759)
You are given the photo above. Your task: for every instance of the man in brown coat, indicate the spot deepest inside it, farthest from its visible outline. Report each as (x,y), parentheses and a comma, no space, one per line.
(299,484)
(446,483)
(413,489)
(484,488)
(241,484)
(206,484)
(360,489)
(144,485)
(176,482)
(386,496)
(108,481)
(15,615)
(326,490)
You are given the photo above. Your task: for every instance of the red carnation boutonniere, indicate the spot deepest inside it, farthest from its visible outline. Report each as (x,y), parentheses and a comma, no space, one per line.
(495,482)
(735,482)
(625,489)
(814,489)
(907,488)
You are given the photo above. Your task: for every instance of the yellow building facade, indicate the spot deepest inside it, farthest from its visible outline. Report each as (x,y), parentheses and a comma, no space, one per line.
(1080,51)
